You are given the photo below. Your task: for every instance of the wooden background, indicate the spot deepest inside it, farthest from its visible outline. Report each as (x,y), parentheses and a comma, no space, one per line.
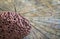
(44,16)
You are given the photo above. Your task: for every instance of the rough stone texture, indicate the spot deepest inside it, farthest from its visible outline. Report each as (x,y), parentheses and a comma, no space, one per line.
(44,15)
(13,26)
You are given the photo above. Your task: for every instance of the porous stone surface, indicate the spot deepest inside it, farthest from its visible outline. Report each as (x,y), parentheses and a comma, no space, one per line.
(13,26)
